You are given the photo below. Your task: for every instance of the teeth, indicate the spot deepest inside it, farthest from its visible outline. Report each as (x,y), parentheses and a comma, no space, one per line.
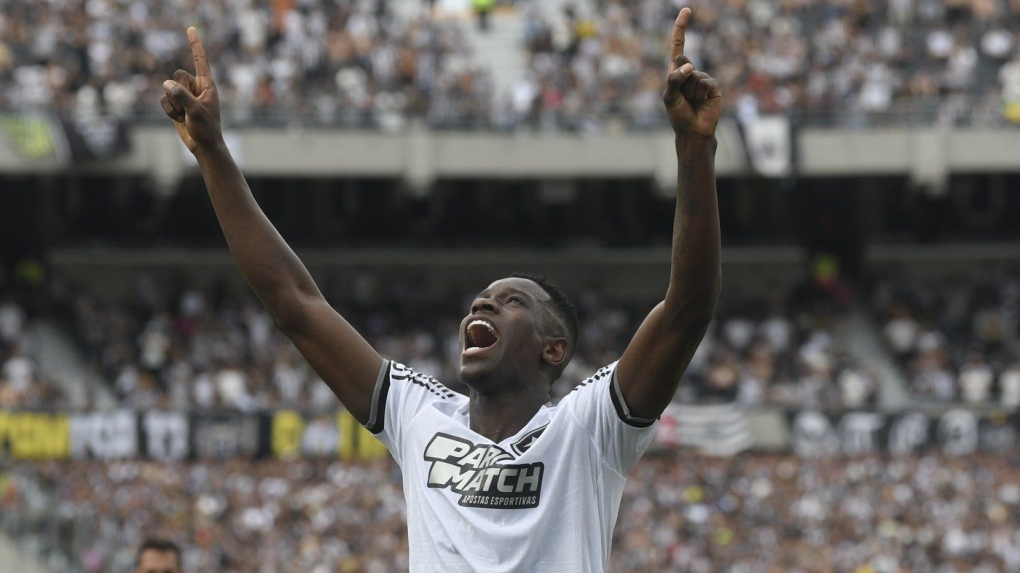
(483,323)
(474,337)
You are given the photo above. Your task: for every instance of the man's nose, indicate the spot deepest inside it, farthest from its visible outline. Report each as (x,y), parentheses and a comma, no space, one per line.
(483,304)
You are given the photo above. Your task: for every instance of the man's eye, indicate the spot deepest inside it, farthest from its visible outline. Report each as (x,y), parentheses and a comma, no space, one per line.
(516,299)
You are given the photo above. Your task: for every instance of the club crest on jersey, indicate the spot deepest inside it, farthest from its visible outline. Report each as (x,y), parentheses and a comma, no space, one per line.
(478,473)
(524,444)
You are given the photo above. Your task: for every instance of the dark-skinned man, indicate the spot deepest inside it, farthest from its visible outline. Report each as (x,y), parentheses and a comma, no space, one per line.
(498,480)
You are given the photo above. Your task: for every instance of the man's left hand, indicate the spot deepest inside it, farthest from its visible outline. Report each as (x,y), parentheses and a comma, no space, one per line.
(693,99)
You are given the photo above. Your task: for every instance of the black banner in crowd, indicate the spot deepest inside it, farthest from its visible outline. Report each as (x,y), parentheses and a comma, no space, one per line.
(95,138)
(956,432)
(67,140)
(169,436)
(768,140)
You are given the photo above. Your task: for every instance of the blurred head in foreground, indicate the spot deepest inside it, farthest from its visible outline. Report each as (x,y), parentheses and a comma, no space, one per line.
(158,556)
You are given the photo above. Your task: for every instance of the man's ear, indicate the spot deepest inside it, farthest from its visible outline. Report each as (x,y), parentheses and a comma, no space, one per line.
(555,351)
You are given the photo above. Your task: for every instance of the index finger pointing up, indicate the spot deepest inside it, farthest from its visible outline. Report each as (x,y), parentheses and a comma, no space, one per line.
(198,52)
(676,47)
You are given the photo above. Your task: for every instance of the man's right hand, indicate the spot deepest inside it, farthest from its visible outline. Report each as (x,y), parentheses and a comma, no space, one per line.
(192,102)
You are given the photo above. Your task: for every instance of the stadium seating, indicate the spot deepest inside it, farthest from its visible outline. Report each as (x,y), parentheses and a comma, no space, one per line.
(680,513)
(366,65)
(956,337)
(192,348)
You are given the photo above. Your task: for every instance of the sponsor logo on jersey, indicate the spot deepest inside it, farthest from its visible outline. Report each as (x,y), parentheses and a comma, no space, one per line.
(478,473)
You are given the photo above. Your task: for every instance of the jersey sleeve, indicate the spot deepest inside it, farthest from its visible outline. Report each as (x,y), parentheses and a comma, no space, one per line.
(400,393)
(598,406)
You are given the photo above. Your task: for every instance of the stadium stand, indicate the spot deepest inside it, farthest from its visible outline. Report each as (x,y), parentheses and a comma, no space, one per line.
(23,384)
(955,336)
(591,66)
(338,64)
(683,512)
(172,346)
(192,348)
(838,64)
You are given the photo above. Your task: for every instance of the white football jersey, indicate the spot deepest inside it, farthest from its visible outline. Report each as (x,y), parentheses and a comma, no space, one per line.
(544,500)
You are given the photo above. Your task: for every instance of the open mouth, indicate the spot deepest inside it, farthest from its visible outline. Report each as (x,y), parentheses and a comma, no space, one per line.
(479,335)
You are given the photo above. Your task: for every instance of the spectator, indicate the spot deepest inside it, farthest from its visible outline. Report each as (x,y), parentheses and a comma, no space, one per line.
(158,556)
(19,372)
(12,322)
(1009,386)
(901,333)
(482,10)
(975,381)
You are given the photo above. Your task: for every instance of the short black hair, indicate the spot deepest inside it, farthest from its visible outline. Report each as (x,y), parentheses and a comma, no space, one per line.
(158,544)
(562,308)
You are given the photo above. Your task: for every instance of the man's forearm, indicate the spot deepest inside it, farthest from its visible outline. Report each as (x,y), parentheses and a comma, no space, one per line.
(695,274)
(268,264)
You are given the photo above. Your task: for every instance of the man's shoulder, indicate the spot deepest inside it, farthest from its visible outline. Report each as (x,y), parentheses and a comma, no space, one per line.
(602,376)
(421,382)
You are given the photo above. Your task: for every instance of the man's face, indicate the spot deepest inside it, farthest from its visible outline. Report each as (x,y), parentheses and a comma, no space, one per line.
(505,330)
(154,561)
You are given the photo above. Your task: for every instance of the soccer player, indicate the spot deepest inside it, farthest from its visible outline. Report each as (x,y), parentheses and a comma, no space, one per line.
(498,480)
(158,556)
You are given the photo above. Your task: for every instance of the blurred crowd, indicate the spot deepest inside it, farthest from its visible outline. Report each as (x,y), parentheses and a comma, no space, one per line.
(958,339)
(839,62)
(591,66)
(927,513)
(777,512)
(18,373)
(335,63)
(786,354)
(240,516)
(22,382)
(172,344)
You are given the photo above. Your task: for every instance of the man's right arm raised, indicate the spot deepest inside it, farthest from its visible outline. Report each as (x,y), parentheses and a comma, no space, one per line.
(337,352)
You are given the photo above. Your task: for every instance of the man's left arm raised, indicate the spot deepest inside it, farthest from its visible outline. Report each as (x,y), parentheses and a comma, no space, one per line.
(651,367)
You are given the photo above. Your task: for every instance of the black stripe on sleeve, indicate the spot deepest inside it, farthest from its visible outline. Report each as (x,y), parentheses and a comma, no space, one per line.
(377,416)
(621,407)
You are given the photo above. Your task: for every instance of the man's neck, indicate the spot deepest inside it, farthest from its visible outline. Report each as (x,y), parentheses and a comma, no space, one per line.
(499,416)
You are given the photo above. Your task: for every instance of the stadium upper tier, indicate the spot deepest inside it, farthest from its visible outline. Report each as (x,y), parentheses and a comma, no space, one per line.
(363,64)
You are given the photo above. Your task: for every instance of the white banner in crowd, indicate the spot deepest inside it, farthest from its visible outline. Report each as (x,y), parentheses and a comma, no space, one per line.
(715,429)
(166,435)
(104,435)
(812,435)
(908,433)
(857,431)
(957,432)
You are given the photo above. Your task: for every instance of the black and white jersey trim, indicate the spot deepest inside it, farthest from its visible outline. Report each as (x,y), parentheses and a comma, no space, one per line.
(399,373)
(433,386)
(377,416)
(621,406)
